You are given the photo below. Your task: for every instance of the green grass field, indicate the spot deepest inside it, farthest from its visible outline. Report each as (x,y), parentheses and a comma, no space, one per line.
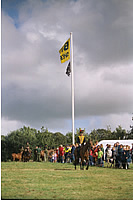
(42,180)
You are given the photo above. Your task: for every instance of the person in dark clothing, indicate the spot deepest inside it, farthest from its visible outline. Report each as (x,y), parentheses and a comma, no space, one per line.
(113,157)
(117,146)
(61,153)
(72,153)
(81,138)
(131,152)
(80,141)
(101,146)
(67,149)
(38,154)
(126,157)
(35,153)
(106,152)
(120,155)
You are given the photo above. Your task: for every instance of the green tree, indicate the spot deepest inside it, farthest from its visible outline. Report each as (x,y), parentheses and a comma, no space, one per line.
(4,152)
(119,133)
(45,137)
(17,139)
(59,139)
(69,138)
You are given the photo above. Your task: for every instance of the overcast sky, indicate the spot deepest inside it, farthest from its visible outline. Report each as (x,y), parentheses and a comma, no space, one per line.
(36,91)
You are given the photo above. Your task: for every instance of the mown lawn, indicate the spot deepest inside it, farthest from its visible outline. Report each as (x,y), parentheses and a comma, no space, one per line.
(42,180)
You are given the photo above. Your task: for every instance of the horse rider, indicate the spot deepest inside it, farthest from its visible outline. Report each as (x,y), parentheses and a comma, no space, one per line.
(81,138)
(26,150)
(81,141)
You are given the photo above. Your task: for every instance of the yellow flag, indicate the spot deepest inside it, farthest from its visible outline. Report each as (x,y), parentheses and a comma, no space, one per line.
(65,51)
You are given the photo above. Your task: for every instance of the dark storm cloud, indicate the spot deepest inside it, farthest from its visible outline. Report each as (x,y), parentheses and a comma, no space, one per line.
(34,85)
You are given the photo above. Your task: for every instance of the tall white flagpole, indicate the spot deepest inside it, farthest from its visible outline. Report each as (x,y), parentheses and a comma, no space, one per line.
(72,85)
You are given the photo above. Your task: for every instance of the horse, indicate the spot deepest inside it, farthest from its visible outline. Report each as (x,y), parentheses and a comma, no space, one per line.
(44,155)
(17,156)
(26,155)
(84,155)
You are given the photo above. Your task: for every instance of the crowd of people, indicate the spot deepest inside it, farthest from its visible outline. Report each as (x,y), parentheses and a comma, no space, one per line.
(63,154)
(118,155)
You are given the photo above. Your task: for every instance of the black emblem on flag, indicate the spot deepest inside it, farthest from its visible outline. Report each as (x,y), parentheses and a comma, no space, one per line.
(68,70)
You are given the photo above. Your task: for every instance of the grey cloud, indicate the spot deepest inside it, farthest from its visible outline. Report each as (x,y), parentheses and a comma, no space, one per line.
(119,75)
(34,85)
(100,28)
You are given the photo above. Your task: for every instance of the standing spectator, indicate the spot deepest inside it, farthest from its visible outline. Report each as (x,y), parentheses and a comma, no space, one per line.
(66,149)
(52,158)
(106,152)
(116,145)
(124,158)
(94,153)
(131,152)
(100,154)
(55,156)
(72,153)
(91,162)
(127,157)
(38,154)
(120,155)
(102,149)
(109,154)
(57,152)
(113,157)
(45,153)
(61,153)
(35,153)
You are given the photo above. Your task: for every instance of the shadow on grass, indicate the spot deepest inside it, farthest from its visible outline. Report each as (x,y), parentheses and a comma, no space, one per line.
(64,169)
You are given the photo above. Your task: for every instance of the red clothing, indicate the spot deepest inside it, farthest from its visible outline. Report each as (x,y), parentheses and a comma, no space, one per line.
(95,154)
(90,152)
(61,151)
(57,152)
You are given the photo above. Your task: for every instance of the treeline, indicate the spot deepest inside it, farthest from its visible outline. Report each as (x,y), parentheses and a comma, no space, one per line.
(13,142)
